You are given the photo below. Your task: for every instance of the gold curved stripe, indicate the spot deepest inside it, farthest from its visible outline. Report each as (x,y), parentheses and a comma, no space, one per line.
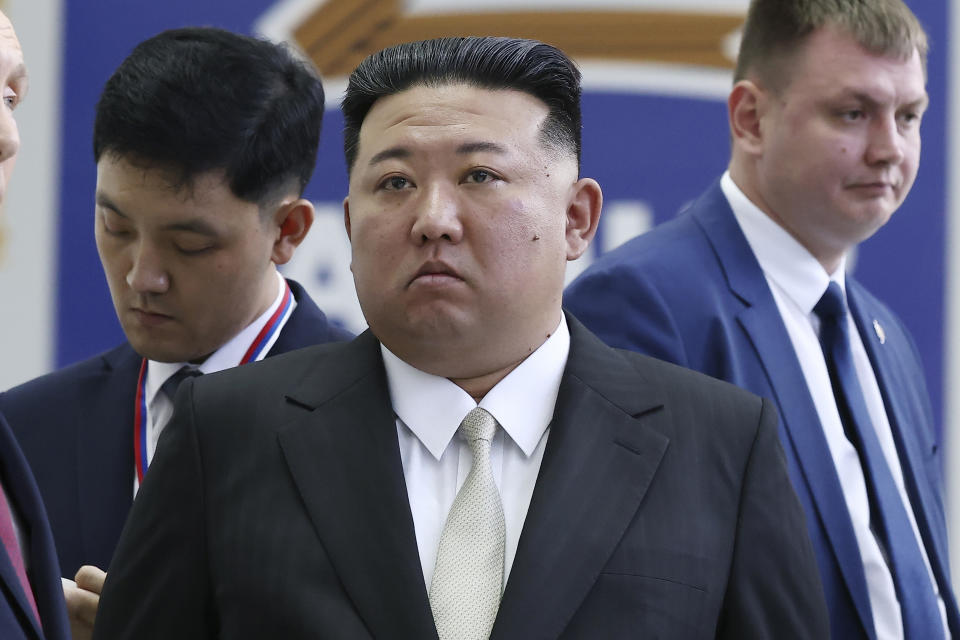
(340,33)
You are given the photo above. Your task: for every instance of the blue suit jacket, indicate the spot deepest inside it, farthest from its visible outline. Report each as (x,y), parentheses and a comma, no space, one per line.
(76,428)
(16,618)
(692,292)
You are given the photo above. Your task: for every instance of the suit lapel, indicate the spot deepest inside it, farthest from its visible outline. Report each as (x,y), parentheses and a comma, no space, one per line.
(600,458)
(906,422)
(104,432)
(345,462)
(799,420)
(29,509)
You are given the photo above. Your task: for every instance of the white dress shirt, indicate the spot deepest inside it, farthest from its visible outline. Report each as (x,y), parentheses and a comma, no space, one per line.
(160,407)
(429,410)
(798,281)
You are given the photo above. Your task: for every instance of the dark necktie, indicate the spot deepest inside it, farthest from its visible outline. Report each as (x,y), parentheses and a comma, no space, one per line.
(9,537)
(918,602)
(173,382)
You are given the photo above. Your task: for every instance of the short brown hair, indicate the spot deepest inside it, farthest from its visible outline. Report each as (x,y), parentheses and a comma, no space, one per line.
(775,29)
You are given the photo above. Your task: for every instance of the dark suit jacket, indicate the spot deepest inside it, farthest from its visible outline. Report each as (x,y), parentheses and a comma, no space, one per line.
(691,291)
(76,428)
(16,618)
(276,508)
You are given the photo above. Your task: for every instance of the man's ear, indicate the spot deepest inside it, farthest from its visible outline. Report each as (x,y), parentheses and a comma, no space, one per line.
(346,216)
(746,106)
(293,219)
(583,216)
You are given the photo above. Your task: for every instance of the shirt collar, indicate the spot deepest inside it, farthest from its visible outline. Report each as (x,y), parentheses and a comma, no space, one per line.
(226,357)
(432,407)
(782,258)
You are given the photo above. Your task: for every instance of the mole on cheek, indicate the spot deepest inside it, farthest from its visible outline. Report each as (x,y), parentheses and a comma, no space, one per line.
(536,237)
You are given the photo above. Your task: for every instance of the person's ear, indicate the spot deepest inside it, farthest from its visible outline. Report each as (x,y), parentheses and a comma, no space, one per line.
(747,105)
(583,216)
(293,219)
(346,216)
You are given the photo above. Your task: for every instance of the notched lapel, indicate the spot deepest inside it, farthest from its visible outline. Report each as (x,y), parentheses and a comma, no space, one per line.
(801,423)
(345,461)
(599,462)
(105,465)
(798,415)
(12,469)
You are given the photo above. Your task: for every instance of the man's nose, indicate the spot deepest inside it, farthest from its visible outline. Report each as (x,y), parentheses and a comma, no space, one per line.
(147,273)
(438,216)
(886,143)
(9,135)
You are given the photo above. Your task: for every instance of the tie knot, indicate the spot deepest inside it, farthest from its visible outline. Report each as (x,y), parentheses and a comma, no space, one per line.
(173,382)
(832,304)
(478,425)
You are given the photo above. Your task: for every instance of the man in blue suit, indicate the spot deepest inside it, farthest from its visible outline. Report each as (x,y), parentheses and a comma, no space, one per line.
(204,141)
(31,606)
(748,285)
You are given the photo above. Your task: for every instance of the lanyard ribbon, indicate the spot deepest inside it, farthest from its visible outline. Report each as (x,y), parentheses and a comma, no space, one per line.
(253,353)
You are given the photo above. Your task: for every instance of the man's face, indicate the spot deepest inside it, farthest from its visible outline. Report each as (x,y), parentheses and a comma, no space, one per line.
(188,268)
(13,77)
(458,220)
(841,142)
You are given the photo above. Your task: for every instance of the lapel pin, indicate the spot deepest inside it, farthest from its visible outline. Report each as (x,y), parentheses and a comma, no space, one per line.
(879,331)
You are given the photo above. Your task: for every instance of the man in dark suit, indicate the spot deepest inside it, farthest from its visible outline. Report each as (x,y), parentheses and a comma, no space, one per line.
(825,117)
(31,605)
(204,141)
(477,464)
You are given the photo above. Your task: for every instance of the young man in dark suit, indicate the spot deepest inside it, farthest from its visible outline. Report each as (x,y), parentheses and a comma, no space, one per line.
(749,285)
(204,141)
(477,464)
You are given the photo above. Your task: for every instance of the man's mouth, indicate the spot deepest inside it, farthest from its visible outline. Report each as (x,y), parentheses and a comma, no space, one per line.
(150,317)
(435,271)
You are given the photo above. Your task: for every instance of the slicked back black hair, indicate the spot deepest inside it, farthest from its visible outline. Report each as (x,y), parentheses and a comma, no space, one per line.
(194,100)
(529,66)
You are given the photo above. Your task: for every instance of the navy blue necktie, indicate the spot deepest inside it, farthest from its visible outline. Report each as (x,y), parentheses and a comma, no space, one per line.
(918,602)
(173,382)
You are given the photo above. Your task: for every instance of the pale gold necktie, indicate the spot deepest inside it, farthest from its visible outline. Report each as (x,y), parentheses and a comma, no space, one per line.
(468,576)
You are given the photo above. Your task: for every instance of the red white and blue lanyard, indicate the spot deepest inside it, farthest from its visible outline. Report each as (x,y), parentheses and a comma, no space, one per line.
(257,347)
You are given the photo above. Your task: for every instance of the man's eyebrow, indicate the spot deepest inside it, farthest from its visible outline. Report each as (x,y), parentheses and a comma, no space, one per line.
(479,147)
(193,226)
(393,153)
(866,98)
(920,103)
(103,200)
(19,71)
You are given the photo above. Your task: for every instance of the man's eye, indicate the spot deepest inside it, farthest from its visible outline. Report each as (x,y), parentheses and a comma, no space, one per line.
(194,251)
(395,183)
(113,227)
(852,115)
(909,117)
(11,100)
(480,176)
